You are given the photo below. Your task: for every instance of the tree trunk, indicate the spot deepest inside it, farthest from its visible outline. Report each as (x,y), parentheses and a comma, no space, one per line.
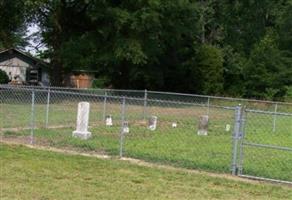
(57,72)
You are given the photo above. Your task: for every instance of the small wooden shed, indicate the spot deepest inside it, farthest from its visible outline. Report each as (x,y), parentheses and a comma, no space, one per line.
(81,79)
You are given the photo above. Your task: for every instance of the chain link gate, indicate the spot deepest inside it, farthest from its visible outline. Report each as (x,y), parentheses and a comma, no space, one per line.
(259,151)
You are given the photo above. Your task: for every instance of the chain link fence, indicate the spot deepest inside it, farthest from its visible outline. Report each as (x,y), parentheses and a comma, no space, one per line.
(252,140)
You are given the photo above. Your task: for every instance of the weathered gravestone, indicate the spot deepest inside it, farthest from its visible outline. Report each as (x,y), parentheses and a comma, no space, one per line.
(125,127)
(82,121)
(174,125)
(203,125)
(227,127)
(109,120)
(152,124)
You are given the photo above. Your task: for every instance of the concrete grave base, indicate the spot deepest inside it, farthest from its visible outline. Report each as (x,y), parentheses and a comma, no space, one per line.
(82,135)
(202,132)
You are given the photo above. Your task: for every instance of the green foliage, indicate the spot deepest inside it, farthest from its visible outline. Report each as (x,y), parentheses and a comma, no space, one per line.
(285,27)
(3,77)
(288,96)
(266,72)
(12,23)
(233,72)
(100,82)
(210,64)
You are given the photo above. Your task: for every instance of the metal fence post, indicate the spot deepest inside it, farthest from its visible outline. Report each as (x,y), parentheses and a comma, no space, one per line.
(145,104)
(122,125)
(32,120)
(241,138)
(235,139)
(275,117)
(208,108)
(48,107)
(104,105)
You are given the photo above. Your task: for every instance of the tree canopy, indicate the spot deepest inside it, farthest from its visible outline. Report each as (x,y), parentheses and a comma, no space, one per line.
(238,48)
(13,15)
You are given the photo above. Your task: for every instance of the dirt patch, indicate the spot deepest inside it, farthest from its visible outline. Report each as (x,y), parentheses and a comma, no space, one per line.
(16,139)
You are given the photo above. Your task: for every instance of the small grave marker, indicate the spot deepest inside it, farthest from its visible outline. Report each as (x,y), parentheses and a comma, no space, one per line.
(82,121)
(152,123)
(126,128)
(203,125)
(174,125)
(108,120)
(227,127)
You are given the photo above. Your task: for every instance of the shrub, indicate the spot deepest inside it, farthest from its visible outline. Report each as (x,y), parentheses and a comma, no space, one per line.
(101,82)
(3,77)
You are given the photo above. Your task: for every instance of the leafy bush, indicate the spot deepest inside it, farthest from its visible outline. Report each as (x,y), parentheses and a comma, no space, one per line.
(267,71)
(3,77)
(100,82)
(210,63)
(288,96)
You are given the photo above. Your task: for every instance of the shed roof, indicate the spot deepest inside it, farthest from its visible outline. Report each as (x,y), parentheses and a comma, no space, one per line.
(27,56)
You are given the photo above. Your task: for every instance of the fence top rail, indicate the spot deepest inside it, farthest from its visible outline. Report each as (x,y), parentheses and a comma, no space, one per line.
(150,92)
(223,98)
(101,96)
(69,93)
(268,112)
(76,93)
(69,88)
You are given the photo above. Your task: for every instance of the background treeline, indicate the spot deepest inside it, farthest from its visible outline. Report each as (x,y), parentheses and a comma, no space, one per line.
(221,47)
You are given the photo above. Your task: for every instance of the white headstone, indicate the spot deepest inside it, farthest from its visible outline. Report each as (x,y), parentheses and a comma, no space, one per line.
(152,123)
(109,120)
(174,125)
(203,125)
(126,128)
(82,121)
(227,127)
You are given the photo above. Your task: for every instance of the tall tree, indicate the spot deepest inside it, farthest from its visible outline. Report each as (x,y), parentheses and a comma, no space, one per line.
(60,21)
(268,70)
(12,23)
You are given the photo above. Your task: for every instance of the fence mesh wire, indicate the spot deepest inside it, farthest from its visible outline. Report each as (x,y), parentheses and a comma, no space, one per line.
(156,127)
(267,145)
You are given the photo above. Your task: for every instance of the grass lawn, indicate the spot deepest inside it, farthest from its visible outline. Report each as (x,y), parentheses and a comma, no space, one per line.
(35,174)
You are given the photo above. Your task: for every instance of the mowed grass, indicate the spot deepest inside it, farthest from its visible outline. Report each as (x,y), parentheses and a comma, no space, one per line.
(179,147)
(34,174)
(174,147)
